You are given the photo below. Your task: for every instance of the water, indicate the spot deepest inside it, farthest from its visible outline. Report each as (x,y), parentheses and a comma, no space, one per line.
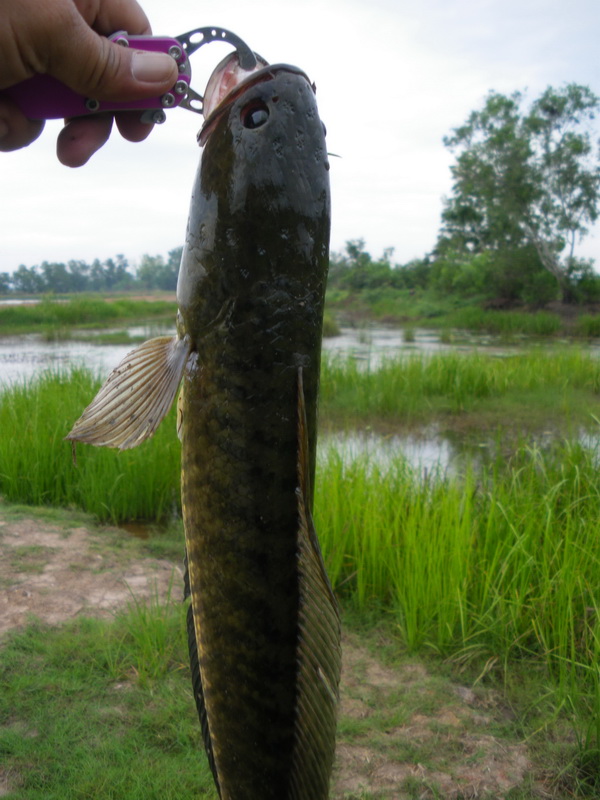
(431,450)
(24,357)
(373,343)
(428,452)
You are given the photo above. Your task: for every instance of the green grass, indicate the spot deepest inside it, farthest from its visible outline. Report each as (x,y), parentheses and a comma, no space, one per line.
(419,388)
(54,318)
(37,466)
(587,325)
(507,323)
(101,709)
(498,568)
(393,305)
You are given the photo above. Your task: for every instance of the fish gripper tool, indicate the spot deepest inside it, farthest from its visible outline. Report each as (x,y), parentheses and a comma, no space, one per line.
(44,97)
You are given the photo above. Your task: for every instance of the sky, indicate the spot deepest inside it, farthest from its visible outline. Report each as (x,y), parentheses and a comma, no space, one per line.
(393,78)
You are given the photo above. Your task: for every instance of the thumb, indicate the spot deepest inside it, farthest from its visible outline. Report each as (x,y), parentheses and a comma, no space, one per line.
(96,67)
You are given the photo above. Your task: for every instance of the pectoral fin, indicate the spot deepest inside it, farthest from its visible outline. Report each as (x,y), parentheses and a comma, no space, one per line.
(136,395)
(319,650)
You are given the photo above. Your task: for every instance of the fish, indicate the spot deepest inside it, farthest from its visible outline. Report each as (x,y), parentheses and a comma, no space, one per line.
(263,622)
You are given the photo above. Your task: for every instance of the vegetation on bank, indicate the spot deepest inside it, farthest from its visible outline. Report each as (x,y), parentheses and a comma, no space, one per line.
(59,317)
(70,318)
(495,569)
(529,392)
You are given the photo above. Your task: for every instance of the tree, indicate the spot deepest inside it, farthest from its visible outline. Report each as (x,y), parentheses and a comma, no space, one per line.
(154,273)
(27,280)
(55,276)
(525,178)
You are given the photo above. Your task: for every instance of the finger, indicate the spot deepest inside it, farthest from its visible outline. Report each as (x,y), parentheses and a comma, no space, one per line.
(115,15)
(131,127)
(81,138)
(16,130)
(95,67)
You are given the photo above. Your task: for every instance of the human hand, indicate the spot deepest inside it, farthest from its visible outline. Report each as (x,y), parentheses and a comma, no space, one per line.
(65,38)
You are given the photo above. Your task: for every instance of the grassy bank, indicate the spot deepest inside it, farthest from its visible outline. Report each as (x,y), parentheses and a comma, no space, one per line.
(430,309)
(534,388)
(57,317)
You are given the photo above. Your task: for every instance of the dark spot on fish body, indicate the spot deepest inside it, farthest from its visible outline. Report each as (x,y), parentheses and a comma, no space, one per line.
(277,148)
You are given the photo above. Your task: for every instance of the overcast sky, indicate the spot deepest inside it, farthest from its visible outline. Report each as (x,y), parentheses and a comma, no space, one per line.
(393,77)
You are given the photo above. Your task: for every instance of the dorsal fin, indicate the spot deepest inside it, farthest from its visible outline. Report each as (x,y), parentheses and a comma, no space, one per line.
(136,395)
(319,650)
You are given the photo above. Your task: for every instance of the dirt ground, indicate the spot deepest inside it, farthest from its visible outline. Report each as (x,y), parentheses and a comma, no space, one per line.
(404,733)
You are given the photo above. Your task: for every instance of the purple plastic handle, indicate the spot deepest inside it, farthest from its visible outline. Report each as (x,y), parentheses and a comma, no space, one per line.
(44,97)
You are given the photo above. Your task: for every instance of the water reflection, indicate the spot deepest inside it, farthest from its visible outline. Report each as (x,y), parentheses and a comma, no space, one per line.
(24,357)
(373,343)
(428,452)
(435,452)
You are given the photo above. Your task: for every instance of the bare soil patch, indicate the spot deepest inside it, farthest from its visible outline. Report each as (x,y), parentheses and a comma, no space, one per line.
(55,574)
(404,732)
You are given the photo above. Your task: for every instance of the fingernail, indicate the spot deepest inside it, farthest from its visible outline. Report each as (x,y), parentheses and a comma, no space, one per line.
(152,67)
(3,128)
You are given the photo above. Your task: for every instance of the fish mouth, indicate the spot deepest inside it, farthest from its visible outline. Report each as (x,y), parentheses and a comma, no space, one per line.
(229,81)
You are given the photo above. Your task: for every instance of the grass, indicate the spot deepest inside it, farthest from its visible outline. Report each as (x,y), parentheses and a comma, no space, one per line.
(419,388)
(37,467)
(496,569)
(55,318)
(506,323)
(100,709)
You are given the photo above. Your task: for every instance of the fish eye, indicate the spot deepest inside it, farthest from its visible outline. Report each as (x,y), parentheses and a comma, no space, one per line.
(255,114)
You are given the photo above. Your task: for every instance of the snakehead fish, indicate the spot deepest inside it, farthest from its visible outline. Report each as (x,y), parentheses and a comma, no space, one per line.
(263,623)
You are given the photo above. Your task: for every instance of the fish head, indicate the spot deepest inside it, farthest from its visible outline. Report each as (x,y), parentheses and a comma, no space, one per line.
(261,204)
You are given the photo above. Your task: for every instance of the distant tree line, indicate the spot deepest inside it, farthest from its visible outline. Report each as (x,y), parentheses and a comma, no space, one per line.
(113,274)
